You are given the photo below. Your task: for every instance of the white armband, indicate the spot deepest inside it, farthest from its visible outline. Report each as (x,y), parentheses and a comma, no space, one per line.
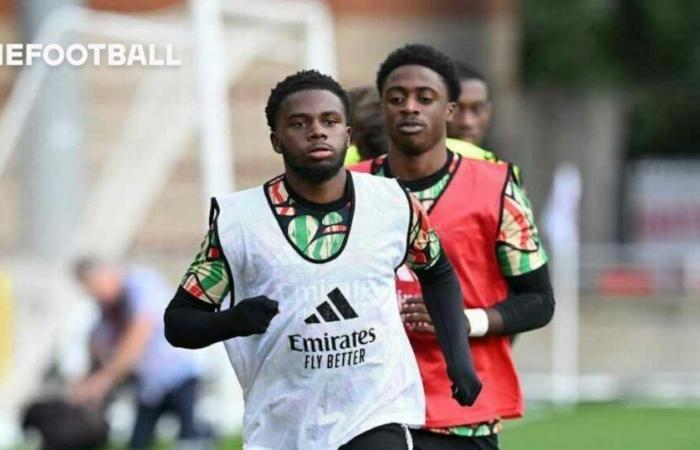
(478,321)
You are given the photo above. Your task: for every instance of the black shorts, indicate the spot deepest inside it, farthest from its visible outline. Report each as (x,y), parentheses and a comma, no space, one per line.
(386,437)
(425,440)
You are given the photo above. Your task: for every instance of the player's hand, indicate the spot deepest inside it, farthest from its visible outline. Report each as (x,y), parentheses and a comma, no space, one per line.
(415,316)
(253,315)
(466,385)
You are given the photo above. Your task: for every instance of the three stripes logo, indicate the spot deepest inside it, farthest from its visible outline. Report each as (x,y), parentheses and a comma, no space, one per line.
(332,311)
(322,350)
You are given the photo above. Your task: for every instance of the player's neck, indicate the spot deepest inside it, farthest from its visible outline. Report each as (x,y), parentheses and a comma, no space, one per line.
(327,191)
(408,167)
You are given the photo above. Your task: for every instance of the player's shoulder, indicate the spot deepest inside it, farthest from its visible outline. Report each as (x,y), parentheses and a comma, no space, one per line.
(239,207)
(475,156)
(483,165)
(361,167)
(233,201)
(373,181)
(383,193)
(484,173)
(476,153)
(471,151)
(241,196)
(373,166)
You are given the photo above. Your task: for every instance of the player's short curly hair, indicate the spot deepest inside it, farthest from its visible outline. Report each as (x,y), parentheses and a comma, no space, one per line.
(426,56)
(303,80)
(467,72)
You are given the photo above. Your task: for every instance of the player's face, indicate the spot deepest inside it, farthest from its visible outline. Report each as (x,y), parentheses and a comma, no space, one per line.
(473,113)
(312,135)
(416,108)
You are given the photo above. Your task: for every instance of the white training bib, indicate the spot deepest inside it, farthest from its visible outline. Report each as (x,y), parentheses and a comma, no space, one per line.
(335,362)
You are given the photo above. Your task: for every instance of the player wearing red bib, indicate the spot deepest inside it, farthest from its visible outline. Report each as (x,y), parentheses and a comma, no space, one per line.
(487,232)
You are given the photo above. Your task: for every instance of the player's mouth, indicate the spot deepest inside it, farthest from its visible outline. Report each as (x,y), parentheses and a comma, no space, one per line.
(319,152)
(410,126)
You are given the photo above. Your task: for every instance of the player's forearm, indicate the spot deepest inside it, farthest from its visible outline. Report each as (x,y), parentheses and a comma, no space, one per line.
(443,300)
(530,305)
(191,323)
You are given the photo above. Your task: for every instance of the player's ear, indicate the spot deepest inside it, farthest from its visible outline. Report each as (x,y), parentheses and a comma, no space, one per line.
(274,140)
(348,139)
(451,107)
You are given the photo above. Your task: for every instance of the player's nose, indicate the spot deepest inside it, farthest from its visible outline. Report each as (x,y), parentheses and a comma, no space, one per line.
(410,106)
(316,131)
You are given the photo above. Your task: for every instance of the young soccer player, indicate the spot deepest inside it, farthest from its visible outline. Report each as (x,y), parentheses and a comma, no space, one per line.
(488,233)
(467,129)
(369,138)
(472,116)
(369,132)
(312,327)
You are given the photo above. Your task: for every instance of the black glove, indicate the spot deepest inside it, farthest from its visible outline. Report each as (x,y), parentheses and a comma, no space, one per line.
(443,299)
(465,386)
(253,315)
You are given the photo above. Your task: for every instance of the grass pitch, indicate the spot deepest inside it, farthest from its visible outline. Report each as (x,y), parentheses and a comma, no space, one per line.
(606,426)
(599,426)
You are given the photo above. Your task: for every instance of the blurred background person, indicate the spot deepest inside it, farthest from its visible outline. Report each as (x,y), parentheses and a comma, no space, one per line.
(368,138)
(472,116)
(129,341)
(467,130)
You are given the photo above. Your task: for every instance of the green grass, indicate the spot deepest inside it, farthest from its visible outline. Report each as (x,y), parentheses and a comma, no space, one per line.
(600,426)
(606,427)
(230,443)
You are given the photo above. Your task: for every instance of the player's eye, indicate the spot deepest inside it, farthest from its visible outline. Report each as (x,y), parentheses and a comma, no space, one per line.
(297,124)
(331,122)
(396,100)
(426,100)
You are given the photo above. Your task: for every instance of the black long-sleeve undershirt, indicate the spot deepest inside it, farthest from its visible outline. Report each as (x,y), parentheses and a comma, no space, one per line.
(530,303)
(443,300)
(192,323)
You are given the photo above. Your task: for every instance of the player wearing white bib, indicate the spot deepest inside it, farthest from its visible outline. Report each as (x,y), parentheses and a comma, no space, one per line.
(304,269)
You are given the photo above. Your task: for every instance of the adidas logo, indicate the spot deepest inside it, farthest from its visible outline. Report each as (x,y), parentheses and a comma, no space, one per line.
(332,311)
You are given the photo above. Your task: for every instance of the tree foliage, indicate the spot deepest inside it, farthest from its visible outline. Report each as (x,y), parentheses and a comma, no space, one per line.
(648,49)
